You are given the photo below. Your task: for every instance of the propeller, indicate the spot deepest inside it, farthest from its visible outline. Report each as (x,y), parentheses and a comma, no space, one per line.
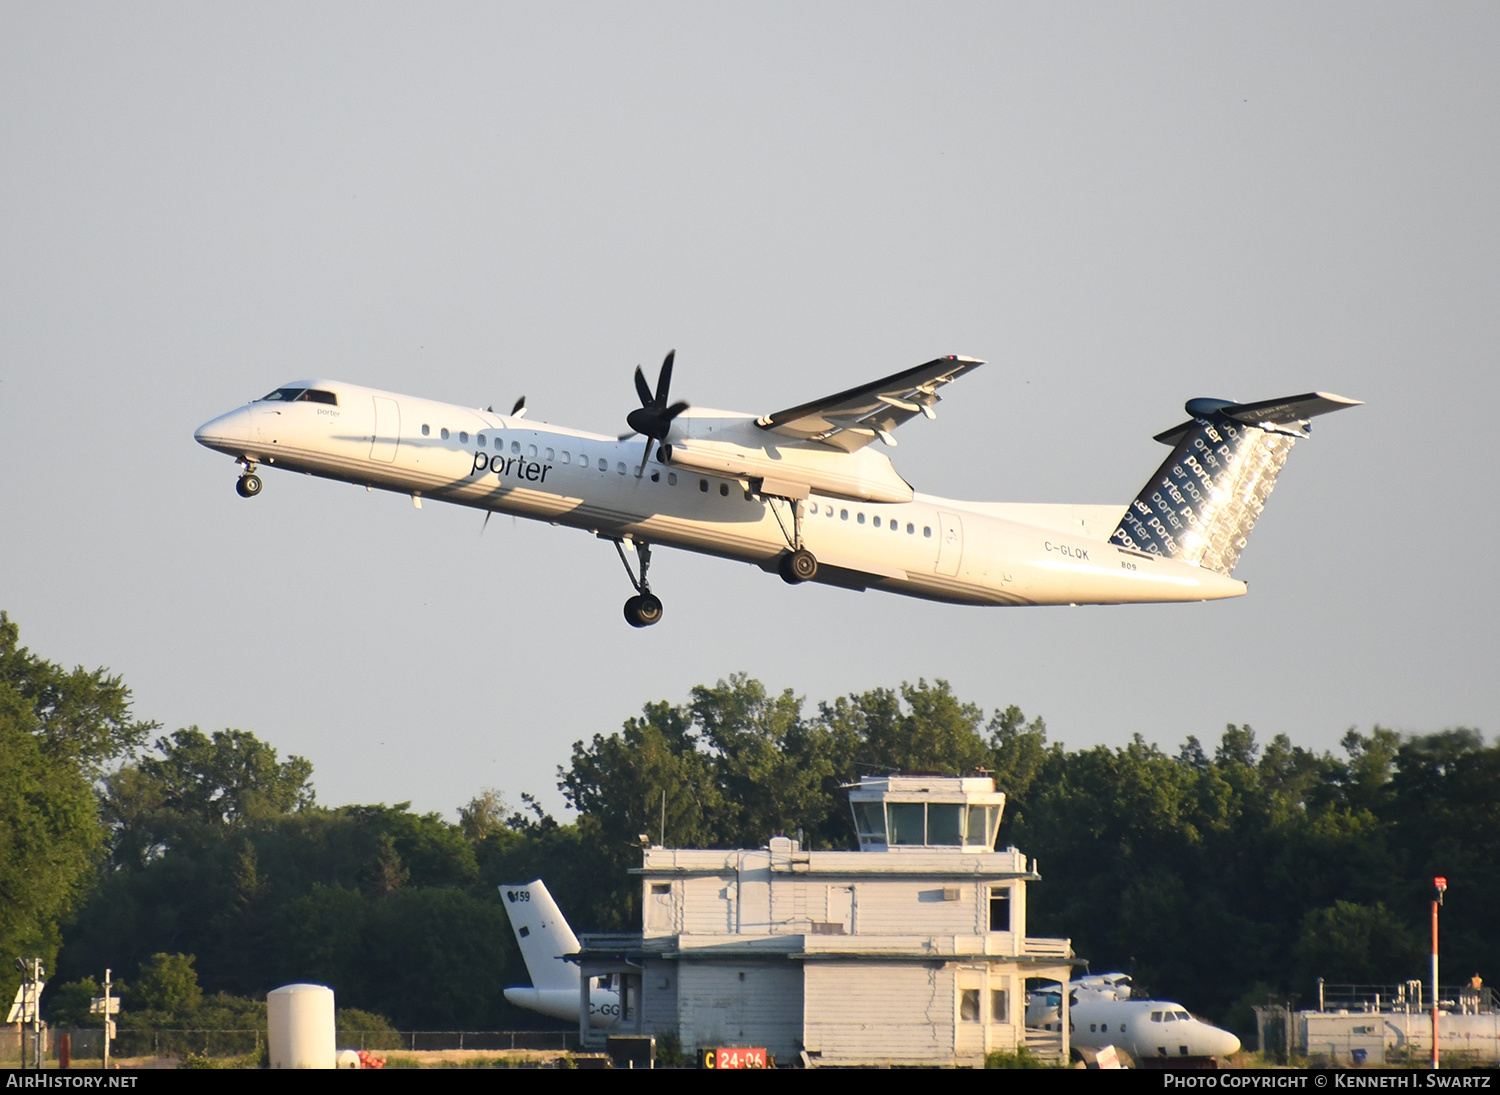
(653,418)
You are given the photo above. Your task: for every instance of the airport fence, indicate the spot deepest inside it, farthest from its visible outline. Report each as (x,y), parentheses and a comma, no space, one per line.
(88,1043)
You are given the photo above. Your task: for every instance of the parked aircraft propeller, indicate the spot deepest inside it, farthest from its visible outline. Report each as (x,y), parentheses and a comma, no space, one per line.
(653,418)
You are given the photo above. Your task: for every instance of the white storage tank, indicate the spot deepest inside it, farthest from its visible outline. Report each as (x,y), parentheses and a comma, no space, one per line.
(299,1021)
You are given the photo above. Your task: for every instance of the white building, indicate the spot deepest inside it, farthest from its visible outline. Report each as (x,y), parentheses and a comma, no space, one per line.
(912,950)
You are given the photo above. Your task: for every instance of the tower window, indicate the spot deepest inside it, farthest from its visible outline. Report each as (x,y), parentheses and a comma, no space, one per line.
(999,908)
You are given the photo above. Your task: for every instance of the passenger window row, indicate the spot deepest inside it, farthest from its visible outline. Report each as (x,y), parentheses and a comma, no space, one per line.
(565,457)
(859,517)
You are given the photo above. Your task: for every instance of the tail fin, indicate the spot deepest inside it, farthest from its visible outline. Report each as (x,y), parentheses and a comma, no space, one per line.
(542,934)
(1201,504)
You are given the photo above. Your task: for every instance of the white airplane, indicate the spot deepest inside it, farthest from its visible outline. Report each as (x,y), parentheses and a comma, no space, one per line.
(799,491)
(1104,1013)
(543,935)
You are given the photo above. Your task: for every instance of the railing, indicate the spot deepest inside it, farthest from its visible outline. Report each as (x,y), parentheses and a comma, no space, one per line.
(1408,997)
(611,941)
(1049,948)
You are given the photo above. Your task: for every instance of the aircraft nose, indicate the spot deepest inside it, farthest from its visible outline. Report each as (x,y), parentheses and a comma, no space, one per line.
(230,429)
(1225,1044)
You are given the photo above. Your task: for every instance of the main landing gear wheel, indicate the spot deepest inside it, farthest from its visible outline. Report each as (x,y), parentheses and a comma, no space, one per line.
(798,566)
(643,610)
(248,486)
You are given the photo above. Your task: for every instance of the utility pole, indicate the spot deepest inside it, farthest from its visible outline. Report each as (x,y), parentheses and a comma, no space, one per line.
(1439,885)
(109,1017)
(37,973)
(109,1007)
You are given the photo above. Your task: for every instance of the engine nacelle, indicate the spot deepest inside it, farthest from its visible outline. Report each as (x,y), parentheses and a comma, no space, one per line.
(734,446)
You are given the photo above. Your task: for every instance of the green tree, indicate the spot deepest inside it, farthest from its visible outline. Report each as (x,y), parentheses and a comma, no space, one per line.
(1357,944)
(68,1005)
(484,814)
(57,729)
(918,728)
(82,717)
(195,781)
(1021,754)
(167,987)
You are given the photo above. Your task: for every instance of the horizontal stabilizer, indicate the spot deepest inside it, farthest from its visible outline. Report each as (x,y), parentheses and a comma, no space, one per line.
(1291,414)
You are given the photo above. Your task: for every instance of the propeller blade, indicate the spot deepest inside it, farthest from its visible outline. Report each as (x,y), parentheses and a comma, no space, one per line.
(664,379)
(519,410)
(640,471)
(487,515)
(653,418)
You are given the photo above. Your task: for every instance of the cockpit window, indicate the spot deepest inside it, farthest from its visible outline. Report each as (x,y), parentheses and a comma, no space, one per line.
(300,395)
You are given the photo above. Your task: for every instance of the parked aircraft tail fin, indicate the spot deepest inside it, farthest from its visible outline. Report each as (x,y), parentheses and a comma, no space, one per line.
(543,935)
(1201,504)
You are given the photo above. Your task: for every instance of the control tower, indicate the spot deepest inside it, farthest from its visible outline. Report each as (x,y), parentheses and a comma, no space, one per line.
(910,951)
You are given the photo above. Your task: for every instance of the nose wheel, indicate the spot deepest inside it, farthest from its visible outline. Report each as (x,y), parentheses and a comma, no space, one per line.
(644,609)
(248,485)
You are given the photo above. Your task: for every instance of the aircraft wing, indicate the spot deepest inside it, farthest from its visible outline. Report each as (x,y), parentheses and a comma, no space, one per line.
(851,419)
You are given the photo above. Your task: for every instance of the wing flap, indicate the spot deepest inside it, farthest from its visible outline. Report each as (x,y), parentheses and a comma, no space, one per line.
(851,419)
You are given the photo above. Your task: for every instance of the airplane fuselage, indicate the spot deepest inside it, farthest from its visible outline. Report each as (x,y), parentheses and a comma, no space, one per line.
(929,547)
(1146,1029)
(604,1004)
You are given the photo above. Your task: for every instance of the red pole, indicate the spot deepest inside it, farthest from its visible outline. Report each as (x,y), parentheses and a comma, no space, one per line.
(1439,884)
(1434,983)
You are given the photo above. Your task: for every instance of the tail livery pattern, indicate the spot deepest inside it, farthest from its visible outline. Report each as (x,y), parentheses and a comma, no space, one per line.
(1201,504)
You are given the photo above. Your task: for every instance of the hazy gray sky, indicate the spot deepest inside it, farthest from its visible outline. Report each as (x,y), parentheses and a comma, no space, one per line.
(1118,206)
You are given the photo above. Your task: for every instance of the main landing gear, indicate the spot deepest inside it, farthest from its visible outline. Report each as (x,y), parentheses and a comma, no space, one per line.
(249,484)
(644,609)
(798,565)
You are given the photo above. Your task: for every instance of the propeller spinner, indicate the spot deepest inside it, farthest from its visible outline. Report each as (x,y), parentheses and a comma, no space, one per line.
(653,418)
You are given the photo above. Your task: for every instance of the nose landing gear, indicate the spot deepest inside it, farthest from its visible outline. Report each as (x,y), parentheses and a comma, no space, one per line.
(644,609)
(248,485)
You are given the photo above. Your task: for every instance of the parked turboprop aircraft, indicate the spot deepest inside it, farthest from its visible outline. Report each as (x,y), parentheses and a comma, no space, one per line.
(544,937)
(799,491)
(1103,1013)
